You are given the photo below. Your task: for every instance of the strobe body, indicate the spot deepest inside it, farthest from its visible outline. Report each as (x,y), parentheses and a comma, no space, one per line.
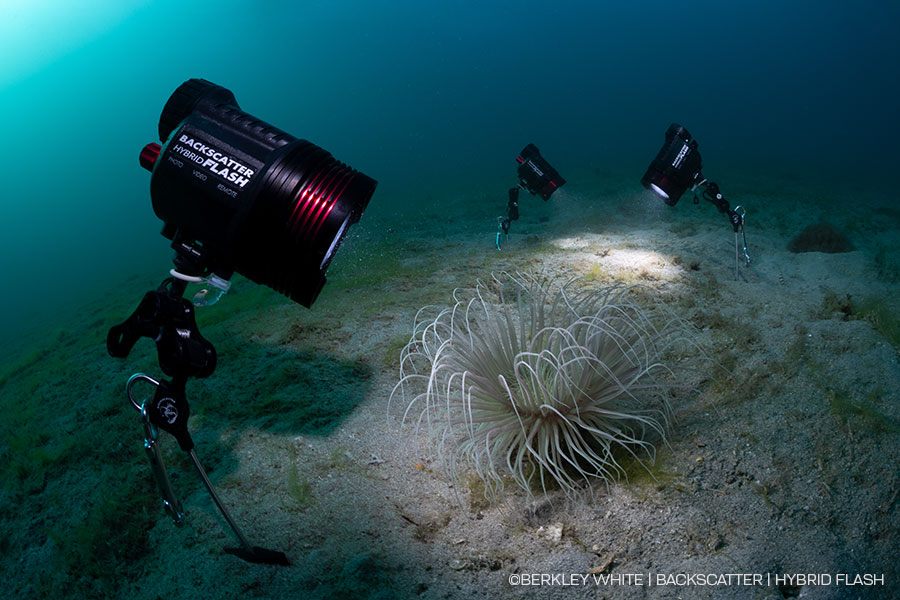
(537,177)
(235,195)
(676,167)
(238,194)
(535,173)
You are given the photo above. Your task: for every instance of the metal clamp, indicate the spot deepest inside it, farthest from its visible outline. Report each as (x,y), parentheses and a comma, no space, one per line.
(171,503)
(743,215)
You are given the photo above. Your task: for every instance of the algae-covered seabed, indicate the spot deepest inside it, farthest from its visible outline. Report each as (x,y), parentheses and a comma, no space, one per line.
(784,462)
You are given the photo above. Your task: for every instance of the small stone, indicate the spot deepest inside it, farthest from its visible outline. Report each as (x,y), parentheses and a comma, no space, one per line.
(551,533)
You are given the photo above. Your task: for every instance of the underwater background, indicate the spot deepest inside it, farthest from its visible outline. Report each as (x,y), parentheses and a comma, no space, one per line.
(433,102)
(795,108)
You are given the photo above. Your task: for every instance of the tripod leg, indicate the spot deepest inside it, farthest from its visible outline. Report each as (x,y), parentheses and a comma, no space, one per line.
(170,501)
(247,552)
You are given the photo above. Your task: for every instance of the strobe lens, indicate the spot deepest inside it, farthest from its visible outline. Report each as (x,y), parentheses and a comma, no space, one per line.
(243,196)
(536,175)
(676,167)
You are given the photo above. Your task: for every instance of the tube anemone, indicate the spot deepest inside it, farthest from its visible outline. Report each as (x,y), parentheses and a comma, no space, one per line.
(541,382)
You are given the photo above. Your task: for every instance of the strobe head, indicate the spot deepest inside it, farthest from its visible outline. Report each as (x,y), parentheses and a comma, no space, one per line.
(536,175)
(238,195)
(676,167)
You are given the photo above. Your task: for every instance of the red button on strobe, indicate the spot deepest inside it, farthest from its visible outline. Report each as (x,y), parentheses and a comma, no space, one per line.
(149,155)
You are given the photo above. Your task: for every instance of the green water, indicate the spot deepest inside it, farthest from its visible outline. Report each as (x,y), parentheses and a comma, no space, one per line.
(433,102)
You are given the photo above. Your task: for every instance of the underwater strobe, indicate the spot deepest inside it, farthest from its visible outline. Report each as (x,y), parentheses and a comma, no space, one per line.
(235,194)
(676,168)
(535,175)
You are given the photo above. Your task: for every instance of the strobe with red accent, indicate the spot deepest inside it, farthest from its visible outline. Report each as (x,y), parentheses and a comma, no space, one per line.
(236,195)
(247,196)
(676,168)
(535,175)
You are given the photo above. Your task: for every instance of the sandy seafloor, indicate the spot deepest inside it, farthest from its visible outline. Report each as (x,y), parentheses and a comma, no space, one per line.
(785,464)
